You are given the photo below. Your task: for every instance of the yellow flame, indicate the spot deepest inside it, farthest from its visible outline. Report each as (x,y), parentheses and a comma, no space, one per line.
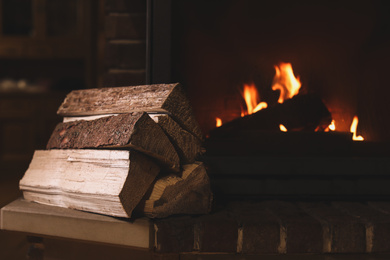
(332,126)
(354,125)
(260,106)
(285,82)
(251,97)
(218,121)
(282,128)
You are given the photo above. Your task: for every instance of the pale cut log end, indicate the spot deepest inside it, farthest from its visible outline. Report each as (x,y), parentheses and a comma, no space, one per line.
(109,182)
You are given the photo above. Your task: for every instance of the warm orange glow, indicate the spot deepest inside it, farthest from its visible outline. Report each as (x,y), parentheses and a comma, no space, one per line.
(251,97)
(283,128)
(218,121)
(354,125)
(332,126)
(285,82)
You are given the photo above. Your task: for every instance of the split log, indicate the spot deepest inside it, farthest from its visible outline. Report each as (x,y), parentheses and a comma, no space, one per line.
(170,195)
(301,113)
(188,147)
(135,130)
(109,182)
(158,98)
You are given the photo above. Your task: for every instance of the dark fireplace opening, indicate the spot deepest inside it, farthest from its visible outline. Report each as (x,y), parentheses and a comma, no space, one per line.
(339,50)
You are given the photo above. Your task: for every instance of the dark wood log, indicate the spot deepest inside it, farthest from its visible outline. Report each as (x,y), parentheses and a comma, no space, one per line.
(159,98)
(188,147)
(171,194)
(301,113)
(135,130)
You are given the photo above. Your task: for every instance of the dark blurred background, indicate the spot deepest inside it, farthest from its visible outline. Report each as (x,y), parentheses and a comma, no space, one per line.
(340,50)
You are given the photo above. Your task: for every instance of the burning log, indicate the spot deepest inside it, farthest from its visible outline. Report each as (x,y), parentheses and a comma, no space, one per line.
(158,98)
(301,113)
(135,130)
(102,181)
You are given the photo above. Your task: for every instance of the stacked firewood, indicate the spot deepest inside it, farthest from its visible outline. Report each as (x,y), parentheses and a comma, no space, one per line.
(121,149)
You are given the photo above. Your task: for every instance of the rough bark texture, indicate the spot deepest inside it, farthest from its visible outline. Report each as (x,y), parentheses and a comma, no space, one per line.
(188,194)
(301,113)
(160,98)
(107,182)
(136,130)
(187,146)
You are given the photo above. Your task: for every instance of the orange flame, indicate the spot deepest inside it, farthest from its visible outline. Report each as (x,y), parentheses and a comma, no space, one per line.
(218,122)
(251,97)
(354,125)
(285,82)
(282,128)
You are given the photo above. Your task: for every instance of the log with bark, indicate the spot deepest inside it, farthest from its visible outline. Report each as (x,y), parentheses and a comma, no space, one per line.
(189,193)
(158,98)
(188,146)
(135,130)
(101,181)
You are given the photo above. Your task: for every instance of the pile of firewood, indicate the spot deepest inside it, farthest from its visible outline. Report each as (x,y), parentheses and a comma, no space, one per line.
(121,149)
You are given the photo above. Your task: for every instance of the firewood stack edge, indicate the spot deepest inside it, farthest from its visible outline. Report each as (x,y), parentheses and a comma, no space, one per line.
(121,150)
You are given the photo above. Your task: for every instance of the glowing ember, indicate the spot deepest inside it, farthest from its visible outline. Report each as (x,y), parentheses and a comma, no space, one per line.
(285,82)
(354,125)
(283,128)
(251,97)
(218,122)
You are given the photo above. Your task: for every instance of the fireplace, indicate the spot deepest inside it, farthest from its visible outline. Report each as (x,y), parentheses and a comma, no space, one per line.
(339,51)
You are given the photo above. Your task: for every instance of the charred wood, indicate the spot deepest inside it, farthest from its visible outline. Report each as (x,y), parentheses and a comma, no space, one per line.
(301,113)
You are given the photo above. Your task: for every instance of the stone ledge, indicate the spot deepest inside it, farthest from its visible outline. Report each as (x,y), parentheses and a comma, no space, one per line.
(288,228)
(241,228)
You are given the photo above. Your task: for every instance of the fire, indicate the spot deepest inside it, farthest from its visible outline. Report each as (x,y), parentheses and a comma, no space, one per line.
(285,82)
(289,86)
(218,122)
(251,97)
(282,128)
(331,127)
(354,125)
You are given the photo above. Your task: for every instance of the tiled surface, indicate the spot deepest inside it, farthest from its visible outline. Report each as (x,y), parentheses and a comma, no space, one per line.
(283,228)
